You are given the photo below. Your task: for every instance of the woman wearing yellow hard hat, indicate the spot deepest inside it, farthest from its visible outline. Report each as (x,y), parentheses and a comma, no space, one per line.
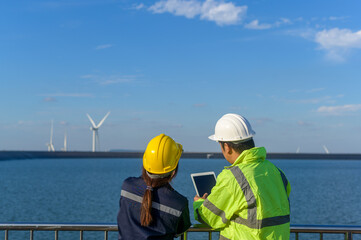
(149,207)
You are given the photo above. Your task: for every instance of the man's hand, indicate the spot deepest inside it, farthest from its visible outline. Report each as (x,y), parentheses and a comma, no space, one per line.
(203,197)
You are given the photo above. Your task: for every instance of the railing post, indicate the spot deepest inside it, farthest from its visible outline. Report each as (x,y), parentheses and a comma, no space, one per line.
(209,235)
(105,235)
(296,235)
(348,235)
(56,234)
(321,236)
(81,234)
(6,234)
(31,234)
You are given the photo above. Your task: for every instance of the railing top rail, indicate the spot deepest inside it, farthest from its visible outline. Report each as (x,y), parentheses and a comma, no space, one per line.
(326,228)
(60,226)
(195,228)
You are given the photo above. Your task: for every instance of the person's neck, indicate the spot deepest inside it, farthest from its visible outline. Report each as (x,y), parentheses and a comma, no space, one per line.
(233,157)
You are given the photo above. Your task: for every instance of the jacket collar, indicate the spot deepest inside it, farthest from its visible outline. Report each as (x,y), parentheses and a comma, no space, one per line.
(250,155)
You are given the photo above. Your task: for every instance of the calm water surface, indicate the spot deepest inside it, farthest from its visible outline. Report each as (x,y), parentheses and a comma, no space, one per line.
(88,190)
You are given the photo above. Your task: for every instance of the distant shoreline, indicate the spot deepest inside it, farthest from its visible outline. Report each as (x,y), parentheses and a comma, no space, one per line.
(13,155)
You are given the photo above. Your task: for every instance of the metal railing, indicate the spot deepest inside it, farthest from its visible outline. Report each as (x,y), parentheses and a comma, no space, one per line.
(347,231)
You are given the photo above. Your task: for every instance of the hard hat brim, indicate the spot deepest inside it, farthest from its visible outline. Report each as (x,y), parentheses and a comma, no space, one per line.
(213,138)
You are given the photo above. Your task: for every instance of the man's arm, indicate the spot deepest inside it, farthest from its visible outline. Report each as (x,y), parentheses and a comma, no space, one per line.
(218,208)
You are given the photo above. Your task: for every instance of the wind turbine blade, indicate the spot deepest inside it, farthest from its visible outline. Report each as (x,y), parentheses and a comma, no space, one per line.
(101,122)
(91,120)
(326,149)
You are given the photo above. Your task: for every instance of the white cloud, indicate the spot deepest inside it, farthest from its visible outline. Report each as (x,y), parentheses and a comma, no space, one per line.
(115,79)
(104,46)
(308,33)
(339,110)
(255,25)
(112,79)
(88,76)
(325,99)
(49,99)
(50,95)
(64,123)
(139,6)
(220,12)
(338,42)
(335,37)
(333,18)
(188,9)
(315,90)
(303,123)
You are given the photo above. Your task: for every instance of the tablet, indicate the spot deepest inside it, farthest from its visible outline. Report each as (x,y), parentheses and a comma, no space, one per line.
(203,182)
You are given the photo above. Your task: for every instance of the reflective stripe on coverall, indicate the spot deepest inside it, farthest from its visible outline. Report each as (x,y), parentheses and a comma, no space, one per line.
(249,200)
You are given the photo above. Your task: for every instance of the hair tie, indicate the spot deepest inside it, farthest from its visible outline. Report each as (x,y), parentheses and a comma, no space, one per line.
(149,188)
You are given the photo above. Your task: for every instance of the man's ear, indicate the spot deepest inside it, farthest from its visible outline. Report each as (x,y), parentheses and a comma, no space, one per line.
(227,148)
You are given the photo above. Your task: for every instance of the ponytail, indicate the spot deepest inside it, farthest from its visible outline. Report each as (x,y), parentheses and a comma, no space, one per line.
(146,208)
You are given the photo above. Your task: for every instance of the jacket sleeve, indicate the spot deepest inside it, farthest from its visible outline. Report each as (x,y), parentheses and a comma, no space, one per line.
(221,204)
(184,221)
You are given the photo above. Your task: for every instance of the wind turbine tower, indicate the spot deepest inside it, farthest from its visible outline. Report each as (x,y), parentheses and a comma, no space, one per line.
(50,145)
(95,128)
(65,143)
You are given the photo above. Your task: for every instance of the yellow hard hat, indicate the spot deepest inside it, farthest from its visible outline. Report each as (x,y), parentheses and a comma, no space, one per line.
(162,155)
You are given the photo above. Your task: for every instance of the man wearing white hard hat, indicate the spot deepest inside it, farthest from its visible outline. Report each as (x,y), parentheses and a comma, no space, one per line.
(251,197)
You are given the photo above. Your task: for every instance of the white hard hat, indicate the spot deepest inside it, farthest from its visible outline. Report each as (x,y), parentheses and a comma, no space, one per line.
(232,128)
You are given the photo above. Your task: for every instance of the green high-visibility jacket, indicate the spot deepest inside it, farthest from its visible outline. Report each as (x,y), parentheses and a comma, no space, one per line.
(249,200)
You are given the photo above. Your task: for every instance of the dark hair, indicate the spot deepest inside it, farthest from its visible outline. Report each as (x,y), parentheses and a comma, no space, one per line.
(146,208)
(240,146)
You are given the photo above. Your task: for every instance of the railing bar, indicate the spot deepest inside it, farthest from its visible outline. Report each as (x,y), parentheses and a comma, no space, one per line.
(210,235)
(81,234)
(105,235)
(6,234)
(321,236)
(349,235)
(296,235)
(56,234)
(31,234)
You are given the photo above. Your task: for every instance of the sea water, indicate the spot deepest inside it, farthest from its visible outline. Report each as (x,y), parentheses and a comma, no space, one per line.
(326,192)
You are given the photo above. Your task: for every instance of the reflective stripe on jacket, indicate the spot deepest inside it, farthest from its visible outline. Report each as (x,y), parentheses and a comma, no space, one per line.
(249,200)
(169,211)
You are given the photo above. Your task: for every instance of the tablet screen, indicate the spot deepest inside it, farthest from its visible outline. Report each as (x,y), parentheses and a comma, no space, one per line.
(203,182)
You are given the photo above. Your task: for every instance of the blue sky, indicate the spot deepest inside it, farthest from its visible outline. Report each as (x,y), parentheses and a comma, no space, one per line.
(292,68)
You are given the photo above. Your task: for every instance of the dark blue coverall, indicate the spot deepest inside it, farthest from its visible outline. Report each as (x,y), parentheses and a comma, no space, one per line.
(169,211)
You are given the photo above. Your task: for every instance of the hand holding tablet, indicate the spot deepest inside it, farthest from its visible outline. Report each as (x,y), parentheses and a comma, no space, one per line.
(203,182)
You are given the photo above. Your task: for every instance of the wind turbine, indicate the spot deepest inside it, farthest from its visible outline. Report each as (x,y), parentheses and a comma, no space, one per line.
(326,150)
(95,128)
(65,143)
(50,145)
